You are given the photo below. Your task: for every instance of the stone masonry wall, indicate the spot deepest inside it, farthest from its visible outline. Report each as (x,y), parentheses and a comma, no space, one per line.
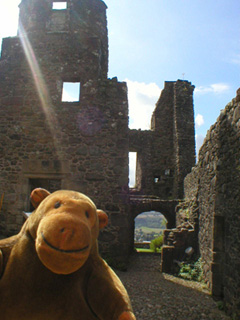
(82,27)
(184,134)
(49,143)
(217,189)
(163,167)
(78,146)
(84,145)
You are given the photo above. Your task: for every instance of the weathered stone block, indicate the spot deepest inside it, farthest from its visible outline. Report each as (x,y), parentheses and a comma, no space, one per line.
(167,259)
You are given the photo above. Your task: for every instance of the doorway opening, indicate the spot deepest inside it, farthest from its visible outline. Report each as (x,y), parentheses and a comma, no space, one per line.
(148,232)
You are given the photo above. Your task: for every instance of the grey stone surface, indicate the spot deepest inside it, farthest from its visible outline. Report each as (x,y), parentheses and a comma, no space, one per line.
(214,186)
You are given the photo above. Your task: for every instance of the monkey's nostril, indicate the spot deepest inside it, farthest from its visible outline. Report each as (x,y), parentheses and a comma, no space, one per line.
(62,230)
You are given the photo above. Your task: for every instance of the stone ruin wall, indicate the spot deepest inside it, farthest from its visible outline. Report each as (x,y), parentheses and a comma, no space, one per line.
(214,184)
(92,159)
(46,142)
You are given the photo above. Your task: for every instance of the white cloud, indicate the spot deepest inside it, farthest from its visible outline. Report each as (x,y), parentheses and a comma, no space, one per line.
(9,18)
(199,142)
(66,97)
(216,88)
(199,120)
(142,98)
(236,59)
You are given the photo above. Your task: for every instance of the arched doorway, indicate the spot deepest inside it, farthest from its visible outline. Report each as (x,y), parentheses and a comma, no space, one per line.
(148,231)
(140,204)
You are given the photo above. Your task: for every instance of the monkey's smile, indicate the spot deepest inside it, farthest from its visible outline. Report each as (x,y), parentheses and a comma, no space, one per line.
(62,250)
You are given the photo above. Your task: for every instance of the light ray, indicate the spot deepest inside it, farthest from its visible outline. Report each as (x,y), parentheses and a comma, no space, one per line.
(41,87)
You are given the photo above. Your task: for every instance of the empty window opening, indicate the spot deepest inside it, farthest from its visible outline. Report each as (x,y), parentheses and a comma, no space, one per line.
(132,169)
(71,92)
(167,172)
(157,179)
(59,5)
(148,233)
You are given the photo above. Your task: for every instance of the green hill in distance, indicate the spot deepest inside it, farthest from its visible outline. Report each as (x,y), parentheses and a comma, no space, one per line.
(149,225)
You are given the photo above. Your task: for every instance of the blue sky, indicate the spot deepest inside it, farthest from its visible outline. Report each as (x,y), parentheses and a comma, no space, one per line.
(152,41)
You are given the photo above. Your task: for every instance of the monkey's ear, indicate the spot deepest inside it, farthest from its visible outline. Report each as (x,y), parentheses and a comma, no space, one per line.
(103,219)
(38,195)
(1,262)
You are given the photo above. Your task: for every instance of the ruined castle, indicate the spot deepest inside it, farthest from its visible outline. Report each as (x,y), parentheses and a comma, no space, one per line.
(83,143)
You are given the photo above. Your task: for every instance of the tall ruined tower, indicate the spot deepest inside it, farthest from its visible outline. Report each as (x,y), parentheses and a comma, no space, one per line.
(173,123)
(73,38)
(166,153)
(52,141)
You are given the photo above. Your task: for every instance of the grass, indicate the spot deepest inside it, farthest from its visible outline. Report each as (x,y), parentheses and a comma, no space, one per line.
(146,250)
(143,250)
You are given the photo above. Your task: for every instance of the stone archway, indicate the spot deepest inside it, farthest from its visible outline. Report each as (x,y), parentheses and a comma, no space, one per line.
(147,227)
(139,204)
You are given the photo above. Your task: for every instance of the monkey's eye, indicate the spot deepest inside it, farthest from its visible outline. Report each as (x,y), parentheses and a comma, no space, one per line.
(87,214)
(57,205)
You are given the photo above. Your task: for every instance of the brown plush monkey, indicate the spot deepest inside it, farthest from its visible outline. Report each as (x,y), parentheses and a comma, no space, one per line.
(52,270)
